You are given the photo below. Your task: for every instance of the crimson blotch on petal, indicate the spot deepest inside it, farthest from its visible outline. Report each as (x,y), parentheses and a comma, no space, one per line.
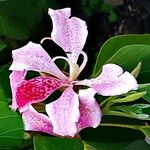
(36,90)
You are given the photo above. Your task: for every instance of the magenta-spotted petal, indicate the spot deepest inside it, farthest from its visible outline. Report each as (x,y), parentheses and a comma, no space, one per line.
(36,90)
(70,33)
(112,81)
(33,57)
(16,78)
(34,121)
(90,114)
(64,113)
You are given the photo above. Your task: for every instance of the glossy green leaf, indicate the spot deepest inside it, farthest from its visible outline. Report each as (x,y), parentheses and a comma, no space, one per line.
(3,0)
(137,145)
(104,146)
(56,143)
(145,87)
(2,95)
(129,56)
(130,98)
(144,78)
(19,18)
(146,130)
(11,127)
(111,47)
(2,46)
(4,81)
(133,111)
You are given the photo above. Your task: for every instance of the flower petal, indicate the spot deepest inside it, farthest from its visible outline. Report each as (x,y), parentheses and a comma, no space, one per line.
(36,90)
(90,114)
(68,33)
(112,81)
(16,77)
(35,121)
(64,113)
(33,57)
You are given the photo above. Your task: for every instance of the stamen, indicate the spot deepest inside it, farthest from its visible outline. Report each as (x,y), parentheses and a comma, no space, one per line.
(46,38)
(73,68)
(61,57)
(85,59)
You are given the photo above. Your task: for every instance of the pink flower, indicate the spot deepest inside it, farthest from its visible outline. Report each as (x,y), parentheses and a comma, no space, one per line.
(74,110)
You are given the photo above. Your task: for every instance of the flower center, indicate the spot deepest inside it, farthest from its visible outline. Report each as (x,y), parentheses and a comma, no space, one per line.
(74,69)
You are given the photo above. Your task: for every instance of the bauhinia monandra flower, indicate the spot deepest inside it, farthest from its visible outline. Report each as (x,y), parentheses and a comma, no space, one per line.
(74,109)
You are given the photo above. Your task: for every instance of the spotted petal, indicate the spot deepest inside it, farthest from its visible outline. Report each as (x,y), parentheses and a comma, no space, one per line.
(90,114)
(33,57)
(112,81)
(34,121)
(64,113)
(16,78)
(68,33)
(36,90)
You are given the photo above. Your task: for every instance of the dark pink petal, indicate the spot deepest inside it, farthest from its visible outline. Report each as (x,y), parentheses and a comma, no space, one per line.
(16,78)
(112,81)
(70,33)
(90,114)
(34,121)
(33,57)
(64,113)
(36,90)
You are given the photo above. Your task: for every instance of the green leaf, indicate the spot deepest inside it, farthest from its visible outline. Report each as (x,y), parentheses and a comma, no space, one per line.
(130,98)
(129,56)
(111,46)
(11,127)
(2,46)
(56,143)
(144,77)
(145,87)
(104,146)
(2,96)
(146,130)
(137,145)
(4,81)
(19,18)
(133,111)
(3,0)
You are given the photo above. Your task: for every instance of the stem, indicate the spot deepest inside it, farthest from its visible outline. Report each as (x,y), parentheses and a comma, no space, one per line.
(135,127)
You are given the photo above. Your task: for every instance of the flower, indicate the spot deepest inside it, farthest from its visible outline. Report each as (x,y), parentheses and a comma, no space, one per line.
(73,110)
